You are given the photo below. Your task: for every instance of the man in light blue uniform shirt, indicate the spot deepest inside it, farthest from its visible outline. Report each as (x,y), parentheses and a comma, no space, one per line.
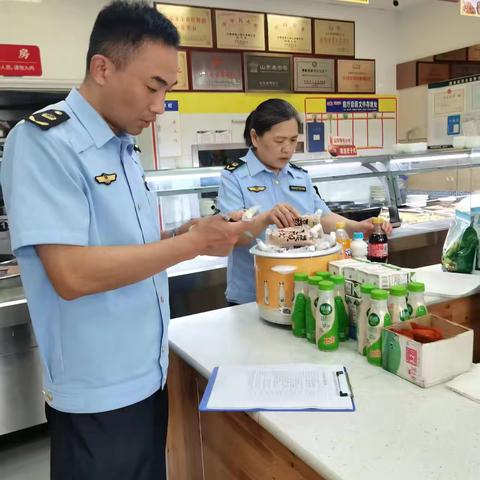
(250,184)
(85,229)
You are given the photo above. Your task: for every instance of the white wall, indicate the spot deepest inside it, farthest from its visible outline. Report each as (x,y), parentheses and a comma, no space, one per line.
(434,27)
(60,28)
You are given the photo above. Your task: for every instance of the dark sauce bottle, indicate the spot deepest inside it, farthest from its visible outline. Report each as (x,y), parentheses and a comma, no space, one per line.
(378,243)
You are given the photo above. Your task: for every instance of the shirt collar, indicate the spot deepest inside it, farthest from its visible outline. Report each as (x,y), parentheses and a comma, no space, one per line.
(255,166)
(92,121)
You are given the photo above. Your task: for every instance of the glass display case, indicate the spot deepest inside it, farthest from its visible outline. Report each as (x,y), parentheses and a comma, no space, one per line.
(422,187)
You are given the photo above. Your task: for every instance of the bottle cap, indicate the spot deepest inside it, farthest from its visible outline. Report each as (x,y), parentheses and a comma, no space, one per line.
(378,294)
(367,288)
(313,280)
(337,279)
(358,236)
(325,286)
(378,221)
(417,287)
(324,275)
(340,225)
(398,291)
(300,277)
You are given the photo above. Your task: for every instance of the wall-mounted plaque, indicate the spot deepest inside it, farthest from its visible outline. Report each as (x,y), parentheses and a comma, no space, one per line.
(335,37)
(240,30)
(267,72)
(313,74)
(194,24)
(182,72)
(428,72)
(216,71)
(356,76)
(289,34)
(474,53)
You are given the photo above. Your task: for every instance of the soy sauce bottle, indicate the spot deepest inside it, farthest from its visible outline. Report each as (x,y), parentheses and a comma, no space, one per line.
(378,243)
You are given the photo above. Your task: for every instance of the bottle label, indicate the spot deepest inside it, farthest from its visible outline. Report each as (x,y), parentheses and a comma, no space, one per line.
(378,250)
(373,320)
(421,311)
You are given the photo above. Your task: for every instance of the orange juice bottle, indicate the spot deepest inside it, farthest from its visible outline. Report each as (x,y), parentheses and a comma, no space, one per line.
(343,239)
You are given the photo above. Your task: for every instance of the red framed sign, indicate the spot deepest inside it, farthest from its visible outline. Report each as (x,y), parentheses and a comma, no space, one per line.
(20,61)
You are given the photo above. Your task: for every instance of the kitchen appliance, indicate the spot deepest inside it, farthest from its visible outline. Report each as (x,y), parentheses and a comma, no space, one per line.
(274,278)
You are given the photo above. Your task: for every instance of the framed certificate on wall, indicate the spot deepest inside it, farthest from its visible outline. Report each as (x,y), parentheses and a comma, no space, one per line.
(240,30)
(356,76)
(182,72)
(194,24)
(289,34)
(216,71)
(335,38)
(267,72)
(313,74)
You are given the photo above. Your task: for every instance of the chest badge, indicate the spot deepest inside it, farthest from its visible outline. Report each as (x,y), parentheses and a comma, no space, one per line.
(256,189)
(106,178)
(298,188)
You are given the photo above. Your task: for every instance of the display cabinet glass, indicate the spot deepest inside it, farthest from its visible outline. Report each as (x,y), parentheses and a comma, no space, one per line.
(421,186)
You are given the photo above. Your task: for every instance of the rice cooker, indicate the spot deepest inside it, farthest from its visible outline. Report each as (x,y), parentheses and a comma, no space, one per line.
(274,278)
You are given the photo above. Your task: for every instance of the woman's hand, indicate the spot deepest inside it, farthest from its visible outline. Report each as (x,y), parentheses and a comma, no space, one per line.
(366,227)
(282,215)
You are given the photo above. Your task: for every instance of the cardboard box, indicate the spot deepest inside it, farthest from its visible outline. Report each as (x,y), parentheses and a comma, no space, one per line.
(428,364)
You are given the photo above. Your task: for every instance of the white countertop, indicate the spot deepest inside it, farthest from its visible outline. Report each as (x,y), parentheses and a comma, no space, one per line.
(399,431)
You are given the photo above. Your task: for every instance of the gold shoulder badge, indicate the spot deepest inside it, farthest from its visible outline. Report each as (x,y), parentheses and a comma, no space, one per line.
(256,188)
(298,188)
(48,118)
(232,166)
(106,178)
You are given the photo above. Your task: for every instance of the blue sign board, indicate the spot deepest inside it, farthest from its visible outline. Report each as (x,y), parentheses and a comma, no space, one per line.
(171,105)
(348,105)
(453,125)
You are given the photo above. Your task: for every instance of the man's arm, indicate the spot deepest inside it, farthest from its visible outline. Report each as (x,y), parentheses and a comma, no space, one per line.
(75,271)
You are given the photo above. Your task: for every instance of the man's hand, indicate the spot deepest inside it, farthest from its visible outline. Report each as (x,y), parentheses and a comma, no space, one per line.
(216,236)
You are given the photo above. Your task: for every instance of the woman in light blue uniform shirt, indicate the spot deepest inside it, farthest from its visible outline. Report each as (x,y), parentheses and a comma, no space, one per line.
(283,191)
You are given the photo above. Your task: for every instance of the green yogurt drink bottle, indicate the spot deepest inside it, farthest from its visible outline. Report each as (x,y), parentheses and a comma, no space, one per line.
(416,301)
(362,318)
(397,304)
(340,306)
(326,320)
(324,275)
(299,304)
(310,307)
(377,319)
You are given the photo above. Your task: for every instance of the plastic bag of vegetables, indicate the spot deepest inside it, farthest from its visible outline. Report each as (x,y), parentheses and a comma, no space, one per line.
(461,244)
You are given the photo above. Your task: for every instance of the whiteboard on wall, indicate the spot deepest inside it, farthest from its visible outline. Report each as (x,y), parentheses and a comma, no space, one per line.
(453,109)
(370,121)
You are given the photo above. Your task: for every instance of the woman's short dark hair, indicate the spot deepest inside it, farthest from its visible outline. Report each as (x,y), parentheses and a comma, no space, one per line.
(123,26)
(268,114)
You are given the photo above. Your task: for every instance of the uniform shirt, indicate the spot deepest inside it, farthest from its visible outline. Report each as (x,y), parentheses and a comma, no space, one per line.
(250,184)
(78,183)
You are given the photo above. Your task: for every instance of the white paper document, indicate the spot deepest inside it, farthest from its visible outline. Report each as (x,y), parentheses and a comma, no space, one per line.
(300,386)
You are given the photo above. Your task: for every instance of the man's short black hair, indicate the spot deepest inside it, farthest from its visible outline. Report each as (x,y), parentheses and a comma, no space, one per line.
(123,26)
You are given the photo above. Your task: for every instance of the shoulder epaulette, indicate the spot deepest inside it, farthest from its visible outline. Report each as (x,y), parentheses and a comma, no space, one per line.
(232,166)
(48,118)
(296,167)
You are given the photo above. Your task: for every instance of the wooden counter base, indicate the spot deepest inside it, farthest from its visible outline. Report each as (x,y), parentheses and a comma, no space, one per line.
(232,446)
(220,446)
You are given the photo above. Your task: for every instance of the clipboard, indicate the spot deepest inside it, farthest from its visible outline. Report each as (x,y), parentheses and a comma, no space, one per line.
(256,388)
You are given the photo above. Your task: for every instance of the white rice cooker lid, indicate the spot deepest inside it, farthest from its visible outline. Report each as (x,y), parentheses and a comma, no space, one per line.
(292,254)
